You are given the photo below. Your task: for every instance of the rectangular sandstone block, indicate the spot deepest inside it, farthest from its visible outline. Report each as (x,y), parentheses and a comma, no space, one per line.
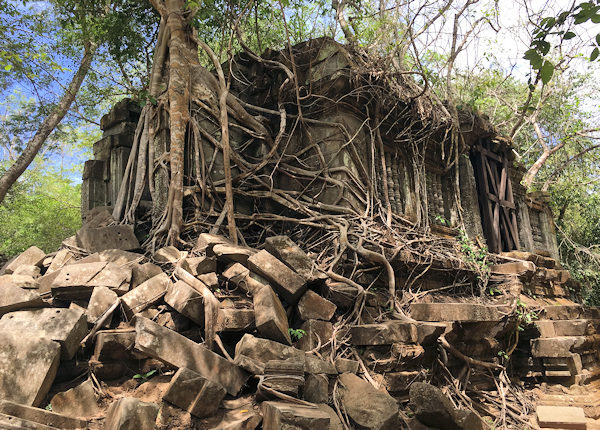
(562,417)
(65,326)
(280,415)
(466,312)
(41,416)
(194,393)
(231,319)
(187,301)
(13,298)
(383,334)
(28,366)
(111,237)
(144,295)
(287,283)
(270,316)
(283,248)
(179,351)
(31,256)
(77,281)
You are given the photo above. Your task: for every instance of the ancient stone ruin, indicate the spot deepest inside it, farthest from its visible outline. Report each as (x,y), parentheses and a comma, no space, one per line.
(417,327)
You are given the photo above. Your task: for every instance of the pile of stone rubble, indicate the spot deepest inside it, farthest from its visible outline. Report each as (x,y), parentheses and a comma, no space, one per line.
(223,337)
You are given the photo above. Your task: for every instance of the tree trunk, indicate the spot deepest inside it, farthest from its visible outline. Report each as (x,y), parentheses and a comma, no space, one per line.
(48,125)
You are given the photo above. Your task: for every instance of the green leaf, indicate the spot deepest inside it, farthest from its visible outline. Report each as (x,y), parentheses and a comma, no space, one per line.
(8,67)
(598,39)
(569,35)
(546,71)
(594,55)
(535,59)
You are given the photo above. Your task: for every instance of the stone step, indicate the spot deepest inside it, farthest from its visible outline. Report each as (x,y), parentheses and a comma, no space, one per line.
(563,346)
(458,312)
(571,327)
(569,312)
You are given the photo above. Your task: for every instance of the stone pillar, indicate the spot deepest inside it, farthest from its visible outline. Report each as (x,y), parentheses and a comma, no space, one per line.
(94,185)
(469,199)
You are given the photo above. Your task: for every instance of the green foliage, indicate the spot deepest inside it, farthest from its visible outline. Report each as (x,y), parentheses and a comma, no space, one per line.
(144,377)
(473,253)
(525,317)
(296,334)
(42,209)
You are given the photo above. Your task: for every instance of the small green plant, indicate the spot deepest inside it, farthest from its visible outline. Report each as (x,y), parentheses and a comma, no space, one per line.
(525,317)
(503,354)
(296,334)
(48,407)
(144,377)
(494,291)
(473,253)
(441,220)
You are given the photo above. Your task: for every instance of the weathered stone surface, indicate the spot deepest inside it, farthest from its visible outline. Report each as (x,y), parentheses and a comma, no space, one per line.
(187,301)
(316,332)
(232,253)
(40,416)
(367,407)
(13,298)
(385,333)
(563,417)
(65,326)
(432,407)
(562,346)
(210,280)
(128,413)
(27,270)
(31,256)
(199,265)
(288,284)
(120,257)
(285,376)
(313,306)
(79,401)
(140,273)
(270,316)
(101,300)
(283,248)
(315,365)
(400,381)
(565,328)
(457,312)
(64,257)
(428,332)
(242,418)
(77,281)
(146,294)
(344,365)
(334,420)
(263,350)
(316,388)
(28,366)
(341,294)
(114,345)
(21,281)
(111,237)
(514,267)
(178,351)
(280,415)
(241,277)
(194,393)
(231,319)
(206,241)
(168,254)
(15,423)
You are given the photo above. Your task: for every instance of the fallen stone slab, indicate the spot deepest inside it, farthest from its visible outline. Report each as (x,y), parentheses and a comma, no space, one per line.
(114,345)
(334,420)
(8,422)
(129,413)
(110,237)
(270,316)
(287,283)
(31,256)
(284,376)
(313,306)
(22,281)
(41,416)
(101,300)
(13,298)
(65,326)
(243,418)
(367,407)
(262,351)
(315,365)
(145,295)
(464,312)
(168,254)
(207,241)
(344,365)
(210,280)
(232,319)
(432,407)
(241,277)
(396,382)
(176,350)
(316,388)
(281,415)
(27,270)
(199,265)
(194,393)
(341,294)
(385,333)
(28,366)
(514,268)
(187,301)
(565,328)
(79,401)
(284,249)
(140,273)
(316,332)
(562,417)
(64,257)
(562,346)
(77,281)
(232,253)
